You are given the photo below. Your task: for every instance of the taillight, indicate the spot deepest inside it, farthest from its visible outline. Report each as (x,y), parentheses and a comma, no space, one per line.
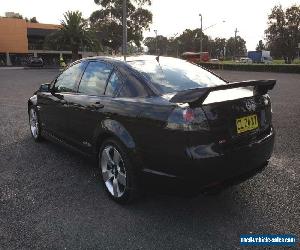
(187,119)
(267,101)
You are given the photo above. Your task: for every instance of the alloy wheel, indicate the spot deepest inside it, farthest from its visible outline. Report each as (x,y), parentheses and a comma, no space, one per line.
(34,124)
(113,171)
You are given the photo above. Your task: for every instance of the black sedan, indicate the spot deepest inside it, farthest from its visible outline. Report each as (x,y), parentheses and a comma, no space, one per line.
(159,117)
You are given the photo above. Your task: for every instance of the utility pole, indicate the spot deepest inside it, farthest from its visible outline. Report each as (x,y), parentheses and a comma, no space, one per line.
(124,23)
(156,49)
(234,50)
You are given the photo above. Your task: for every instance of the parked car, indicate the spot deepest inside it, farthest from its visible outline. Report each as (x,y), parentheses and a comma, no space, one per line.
(245,60)
(35,62)
(157,117)
(214,60)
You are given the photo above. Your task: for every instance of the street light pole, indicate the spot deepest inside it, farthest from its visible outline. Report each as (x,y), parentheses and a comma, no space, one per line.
(200,35)
(234,51)
(156,42)
(124,23)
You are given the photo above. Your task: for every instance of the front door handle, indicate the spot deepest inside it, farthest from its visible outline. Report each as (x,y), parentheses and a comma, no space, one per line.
(63,102)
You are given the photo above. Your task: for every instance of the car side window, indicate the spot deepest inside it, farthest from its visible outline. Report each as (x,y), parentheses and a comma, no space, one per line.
(94,78)
(133,89)
(66,81)
(113,84)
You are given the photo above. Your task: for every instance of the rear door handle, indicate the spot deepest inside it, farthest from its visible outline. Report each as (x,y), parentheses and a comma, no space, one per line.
(96,105)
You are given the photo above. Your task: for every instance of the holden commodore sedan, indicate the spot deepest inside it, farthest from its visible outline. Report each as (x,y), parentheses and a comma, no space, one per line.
(157,116)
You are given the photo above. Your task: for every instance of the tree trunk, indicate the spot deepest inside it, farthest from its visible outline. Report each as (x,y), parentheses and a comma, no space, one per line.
(289,59)
(75,55)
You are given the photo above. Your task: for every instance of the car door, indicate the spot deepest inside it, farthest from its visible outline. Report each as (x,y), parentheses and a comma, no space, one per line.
(53,105)
(86,107)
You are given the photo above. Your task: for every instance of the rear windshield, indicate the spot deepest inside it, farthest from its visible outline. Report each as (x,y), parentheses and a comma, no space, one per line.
(173,75)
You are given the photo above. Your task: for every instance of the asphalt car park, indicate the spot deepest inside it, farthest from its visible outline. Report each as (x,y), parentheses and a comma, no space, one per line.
(51,197)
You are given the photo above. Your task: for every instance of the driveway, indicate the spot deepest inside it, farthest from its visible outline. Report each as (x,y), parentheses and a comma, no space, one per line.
(51,197)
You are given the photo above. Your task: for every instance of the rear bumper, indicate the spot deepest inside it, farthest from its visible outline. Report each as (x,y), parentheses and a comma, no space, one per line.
(234,166)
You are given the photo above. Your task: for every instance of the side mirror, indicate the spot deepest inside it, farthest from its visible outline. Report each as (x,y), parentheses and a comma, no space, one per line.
(45,87)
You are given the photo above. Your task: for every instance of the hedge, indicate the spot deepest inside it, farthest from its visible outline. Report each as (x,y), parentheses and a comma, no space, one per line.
(281,68)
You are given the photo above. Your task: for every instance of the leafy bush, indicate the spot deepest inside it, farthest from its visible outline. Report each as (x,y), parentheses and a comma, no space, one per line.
(281,68)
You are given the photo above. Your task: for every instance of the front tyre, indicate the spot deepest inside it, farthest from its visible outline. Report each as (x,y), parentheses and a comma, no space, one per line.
(34,124)
(118,174)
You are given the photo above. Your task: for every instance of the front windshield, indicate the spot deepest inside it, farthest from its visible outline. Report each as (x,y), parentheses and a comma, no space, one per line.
(173,75)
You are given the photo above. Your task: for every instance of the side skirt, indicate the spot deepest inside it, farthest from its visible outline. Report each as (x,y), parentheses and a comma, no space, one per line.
(53,138)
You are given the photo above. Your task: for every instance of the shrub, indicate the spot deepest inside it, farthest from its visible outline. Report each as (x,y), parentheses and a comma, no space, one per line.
(280,68)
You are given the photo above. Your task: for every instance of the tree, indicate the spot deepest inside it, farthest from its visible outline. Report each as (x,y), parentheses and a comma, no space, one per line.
(283,32)
(161,42)
(220,44)
(260,45)
(235,47)
(133,49)
(173,46)
(211,48)
(73,34)
(108,21)
(151,44)
(189,41)
(33,20)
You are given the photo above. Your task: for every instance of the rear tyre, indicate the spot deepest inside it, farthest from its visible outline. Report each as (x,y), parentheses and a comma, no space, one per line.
(118,175)
(35,128)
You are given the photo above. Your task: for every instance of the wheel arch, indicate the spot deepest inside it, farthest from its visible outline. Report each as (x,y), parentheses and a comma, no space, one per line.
(113,129)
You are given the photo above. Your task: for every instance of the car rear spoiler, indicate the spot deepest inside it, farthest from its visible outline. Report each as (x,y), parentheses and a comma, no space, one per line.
(198,95)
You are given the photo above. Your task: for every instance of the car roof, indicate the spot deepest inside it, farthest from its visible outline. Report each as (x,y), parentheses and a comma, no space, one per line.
(120,59)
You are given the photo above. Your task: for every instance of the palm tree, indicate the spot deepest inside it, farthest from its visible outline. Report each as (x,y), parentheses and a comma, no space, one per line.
(73,34)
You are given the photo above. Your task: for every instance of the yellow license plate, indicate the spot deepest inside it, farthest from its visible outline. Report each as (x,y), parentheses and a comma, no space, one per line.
(246,123)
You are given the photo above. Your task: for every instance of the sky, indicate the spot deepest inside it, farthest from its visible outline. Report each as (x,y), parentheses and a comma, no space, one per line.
(170,17)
